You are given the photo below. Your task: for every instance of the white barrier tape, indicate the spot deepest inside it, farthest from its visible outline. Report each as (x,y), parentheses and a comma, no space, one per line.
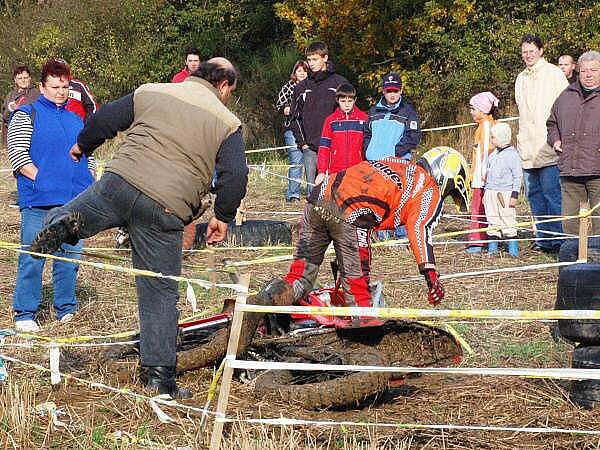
(491,271)
(6,170)
(263,171)
(162,416)
(275,165)
(554,373)
(415,313)
(54,364)
(32,345)
(269,149)
(424,130)
(191,297)
(282,421)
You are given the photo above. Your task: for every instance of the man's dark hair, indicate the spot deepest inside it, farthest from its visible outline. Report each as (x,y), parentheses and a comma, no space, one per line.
(215,73)
(318,47)
(345,90)
(192,51)
(532,39)
(55,68)
(21,69)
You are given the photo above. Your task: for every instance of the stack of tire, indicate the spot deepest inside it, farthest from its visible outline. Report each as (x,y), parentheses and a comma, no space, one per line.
(579,289)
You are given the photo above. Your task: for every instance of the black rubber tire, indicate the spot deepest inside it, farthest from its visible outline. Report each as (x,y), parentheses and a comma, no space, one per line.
(250,233)
(579,288)
(350,388)
(586,393)
(569,251)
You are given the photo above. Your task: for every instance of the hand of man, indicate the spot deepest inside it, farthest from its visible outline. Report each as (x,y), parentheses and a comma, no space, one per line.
(557,146)
(436,288)
(512,203)
(215,231)
(76,153)
(286,111)
(305,147)
(319,178)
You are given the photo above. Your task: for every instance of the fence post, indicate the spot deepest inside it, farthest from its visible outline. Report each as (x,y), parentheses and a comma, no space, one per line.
(584,221)
(232,346)
(212,275)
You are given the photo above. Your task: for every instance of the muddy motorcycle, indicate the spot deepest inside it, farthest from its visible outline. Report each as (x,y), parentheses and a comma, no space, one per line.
(203,343)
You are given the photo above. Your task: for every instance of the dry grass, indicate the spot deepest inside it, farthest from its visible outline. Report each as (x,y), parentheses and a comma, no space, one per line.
(98,419)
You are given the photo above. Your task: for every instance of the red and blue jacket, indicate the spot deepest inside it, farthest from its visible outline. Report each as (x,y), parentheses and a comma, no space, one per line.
(341,141)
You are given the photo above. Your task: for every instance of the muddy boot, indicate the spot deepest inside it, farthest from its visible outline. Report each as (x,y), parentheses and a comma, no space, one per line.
(50,238)
(160,380)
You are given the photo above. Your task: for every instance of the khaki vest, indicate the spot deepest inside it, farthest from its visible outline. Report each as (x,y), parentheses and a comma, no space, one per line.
(169,151)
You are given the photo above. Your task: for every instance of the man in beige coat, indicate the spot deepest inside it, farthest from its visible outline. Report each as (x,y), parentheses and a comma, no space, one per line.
(536,89)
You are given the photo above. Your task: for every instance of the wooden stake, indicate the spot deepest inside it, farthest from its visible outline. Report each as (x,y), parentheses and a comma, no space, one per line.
(212,275)
(584,221)
(232,346)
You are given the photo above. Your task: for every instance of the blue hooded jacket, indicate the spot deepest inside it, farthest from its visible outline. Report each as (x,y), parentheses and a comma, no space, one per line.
(392,130)
(59,178)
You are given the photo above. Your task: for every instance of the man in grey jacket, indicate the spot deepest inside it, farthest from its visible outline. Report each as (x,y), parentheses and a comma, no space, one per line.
(574,133)
(176,137)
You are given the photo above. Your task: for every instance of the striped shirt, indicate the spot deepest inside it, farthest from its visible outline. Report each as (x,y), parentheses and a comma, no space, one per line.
(19,142)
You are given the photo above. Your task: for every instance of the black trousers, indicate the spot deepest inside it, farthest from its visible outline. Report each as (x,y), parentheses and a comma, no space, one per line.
(156,246)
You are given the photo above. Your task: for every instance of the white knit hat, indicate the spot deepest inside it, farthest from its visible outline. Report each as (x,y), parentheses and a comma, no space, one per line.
(501,132)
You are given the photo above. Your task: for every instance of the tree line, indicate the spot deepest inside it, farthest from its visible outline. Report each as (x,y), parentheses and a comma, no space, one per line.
(445,50)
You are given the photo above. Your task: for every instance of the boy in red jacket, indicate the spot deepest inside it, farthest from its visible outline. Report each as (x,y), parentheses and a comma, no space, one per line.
(342,136)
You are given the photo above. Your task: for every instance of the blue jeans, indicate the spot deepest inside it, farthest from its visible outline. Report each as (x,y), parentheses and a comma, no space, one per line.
(155,235)
(542,187)
(295,159)
(28,288)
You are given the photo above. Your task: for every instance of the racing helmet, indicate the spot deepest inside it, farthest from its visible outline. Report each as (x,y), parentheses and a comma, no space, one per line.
(451,171)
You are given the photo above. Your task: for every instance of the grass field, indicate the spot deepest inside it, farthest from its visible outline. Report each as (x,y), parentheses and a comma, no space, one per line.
(98,419)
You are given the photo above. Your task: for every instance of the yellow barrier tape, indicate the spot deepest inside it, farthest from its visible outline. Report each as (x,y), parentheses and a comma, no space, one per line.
(414,313)
(129,271)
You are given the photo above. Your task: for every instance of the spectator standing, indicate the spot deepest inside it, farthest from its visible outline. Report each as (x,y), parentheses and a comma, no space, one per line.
(22,94)
(566,63)
(341,140)
(192,62)
(393,129)
(284,106)
(313,100)
(574,133)
(502,187)
(81,100)
(178,136)
(482,107)
(536,89)
(40,136)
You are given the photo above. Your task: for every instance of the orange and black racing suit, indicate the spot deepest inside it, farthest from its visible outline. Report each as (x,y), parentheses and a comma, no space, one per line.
(344,209)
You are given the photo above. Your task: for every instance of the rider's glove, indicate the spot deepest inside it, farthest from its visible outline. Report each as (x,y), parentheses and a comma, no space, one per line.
(436,288)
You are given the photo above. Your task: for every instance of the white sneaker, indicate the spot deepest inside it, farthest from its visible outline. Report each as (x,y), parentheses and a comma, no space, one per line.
(27,326)
(66,318)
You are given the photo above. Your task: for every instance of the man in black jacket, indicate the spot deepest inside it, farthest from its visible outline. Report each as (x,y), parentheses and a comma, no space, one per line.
(313,100)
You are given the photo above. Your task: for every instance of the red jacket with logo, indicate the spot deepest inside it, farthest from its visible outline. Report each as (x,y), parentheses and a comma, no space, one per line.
(341,141)
(81,101)
(384,195)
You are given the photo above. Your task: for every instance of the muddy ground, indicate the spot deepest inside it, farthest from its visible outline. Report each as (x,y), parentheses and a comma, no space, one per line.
(97,418)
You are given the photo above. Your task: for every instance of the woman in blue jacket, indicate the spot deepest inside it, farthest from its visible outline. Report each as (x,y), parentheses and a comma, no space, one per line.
(40,136)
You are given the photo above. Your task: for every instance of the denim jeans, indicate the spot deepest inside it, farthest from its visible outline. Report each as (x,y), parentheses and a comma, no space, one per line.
(155,235)
(310,168)
(295,159)
(28,288)
(542,187)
